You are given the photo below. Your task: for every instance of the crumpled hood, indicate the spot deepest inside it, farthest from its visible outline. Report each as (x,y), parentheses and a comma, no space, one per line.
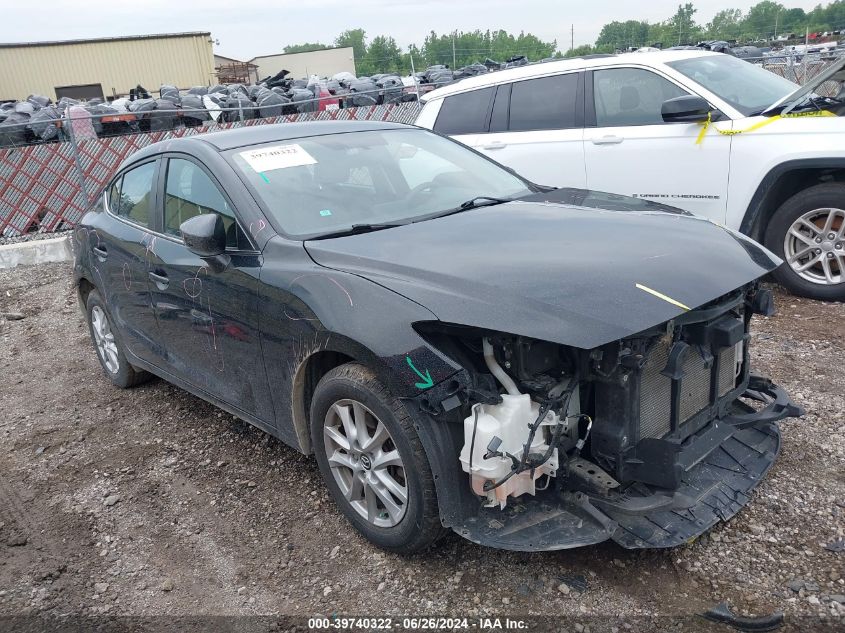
(566,274)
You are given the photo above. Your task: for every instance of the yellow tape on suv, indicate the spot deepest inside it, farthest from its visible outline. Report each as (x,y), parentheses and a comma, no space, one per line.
(792,115)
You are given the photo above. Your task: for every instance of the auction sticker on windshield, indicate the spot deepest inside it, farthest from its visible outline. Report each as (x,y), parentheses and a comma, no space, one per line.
(277,157)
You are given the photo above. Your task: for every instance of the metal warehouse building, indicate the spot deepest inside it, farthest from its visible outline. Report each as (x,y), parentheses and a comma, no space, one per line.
(105,67)
(325,63)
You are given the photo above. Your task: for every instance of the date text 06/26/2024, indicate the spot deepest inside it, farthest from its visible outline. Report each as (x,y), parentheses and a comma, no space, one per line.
(417,624)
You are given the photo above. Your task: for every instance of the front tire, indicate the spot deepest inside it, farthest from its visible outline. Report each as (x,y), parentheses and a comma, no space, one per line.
(808,233)
(372,460)
(107,344)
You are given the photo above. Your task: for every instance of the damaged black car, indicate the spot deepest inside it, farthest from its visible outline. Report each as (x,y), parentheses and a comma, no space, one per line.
(533,368)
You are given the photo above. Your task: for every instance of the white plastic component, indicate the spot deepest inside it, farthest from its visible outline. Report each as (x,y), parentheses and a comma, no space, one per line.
(496,369)
(509,421)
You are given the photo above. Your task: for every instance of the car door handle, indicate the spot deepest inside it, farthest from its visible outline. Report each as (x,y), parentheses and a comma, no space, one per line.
(162,281)
(201,318)
(100,252)
(495,145)
(607,140)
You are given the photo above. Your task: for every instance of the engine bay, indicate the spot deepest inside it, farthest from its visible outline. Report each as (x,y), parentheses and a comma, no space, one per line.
(617,431)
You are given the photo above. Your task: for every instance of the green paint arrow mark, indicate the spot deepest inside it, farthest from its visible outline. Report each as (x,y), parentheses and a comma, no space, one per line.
(427,381)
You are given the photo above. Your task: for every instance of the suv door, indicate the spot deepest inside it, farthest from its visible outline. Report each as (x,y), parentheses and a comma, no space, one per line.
(208,317)
(534,126)
(120,255)
(630,150)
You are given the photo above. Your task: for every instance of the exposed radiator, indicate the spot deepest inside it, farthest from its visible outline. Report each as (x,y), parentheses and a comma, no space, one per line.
(656,389)
(656,393)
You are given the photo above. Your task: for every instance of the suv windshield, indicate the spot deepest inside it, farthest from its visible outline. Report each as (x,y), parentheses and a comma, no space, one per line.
(748,88)
(328,184)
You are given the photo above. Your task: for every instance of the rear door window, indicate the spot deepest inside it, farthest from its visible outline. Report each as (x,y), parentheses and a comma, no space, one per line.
(631,96)
(547,103)
(465,113)
(134,202)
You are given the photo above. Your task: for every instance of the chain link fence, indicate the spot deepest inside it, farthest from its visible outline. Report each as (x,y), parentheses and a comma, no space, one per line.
(49,186)
(800,68)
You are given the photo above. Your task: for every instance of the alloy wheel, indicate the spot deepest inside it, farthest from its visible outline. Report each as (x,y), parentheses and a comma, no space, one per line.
(104,339)
(814,246)
(365,463)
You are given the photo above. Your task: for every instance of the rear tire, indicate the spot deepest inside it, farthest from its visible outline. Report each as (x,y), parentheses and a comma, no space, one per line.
(808,233)
(107,344)
(381,479)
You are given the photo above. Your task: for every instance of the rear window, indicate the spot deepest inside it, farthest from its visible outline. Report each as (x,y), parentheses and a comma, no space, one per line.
(464,113)
(547,103)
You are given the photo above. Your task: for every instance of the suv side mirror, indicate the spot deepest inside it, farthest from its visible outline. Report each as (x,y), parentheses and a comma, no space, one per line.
(204,235)
(686,109)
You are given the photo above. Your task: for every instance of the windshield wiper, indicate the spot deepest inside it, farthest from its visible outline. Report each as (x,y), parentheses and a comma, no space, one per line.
(477,200)
(357,229)
(473,203)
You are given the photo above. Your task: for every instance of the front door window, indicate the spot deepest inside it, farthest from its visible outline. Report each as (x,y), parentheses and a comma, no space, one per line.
(631,96)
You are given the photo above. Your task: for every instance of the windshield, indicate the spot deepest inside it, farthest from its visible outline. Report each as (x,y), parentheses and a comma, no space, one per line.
(326,184)
(748,88)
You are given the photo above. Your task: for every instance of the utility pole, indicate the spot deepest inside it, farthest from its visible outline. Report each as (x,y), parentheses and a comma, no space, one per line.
(454,63)
(414,73)
(572,40)
(777,15)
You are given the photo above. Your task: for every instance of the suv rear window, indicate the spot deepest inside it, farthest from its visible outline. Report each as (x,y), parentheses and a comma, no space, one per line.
(547,103)
(464,113)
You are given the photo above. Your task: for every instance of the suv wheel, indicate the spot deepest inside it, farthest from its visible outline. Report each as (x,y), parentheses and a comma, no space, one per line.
(372,460)
(109,349)
(808,232)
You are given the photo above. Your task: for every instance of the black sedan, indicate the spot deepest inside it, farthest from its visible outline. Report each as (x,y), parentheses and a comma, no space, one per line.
(533,368)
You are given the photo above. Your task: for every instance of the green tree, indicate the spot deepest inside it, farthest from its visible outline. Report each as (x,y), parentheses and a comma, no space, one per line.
(463,48)
(580,51)
(683,23)
(383,56)
(357,39)
(416,64)
(763,19)
(622,35)
(827,18)
(725,25)
(304,48)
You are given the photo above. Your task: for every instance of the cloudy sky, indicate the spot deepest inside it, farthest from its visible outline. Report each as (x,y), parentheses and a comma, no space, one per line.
(247,28)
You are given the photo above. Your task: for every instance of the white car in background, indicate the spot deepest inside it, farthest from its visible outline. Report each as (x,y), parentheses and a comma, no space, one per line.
(702,131)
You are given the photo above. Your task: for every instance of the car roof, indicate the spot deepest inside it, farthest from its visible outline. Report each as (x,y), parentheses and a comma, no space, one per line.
(258,134)
(646,58)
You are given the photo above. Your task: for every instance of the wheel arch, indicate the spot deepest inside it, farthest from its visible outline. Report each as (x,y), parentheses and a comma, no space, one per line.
(781,183)
(308,374)
(84,286)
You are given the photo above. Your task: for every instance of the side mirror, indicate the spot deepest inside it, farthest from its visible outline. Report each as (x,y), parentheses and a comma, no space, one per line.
(204,235)
(686,109)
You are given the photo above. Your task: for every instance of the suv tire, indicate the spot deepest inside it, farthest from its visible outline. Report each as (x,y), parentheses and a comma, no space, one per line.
(809,211)
(350,401)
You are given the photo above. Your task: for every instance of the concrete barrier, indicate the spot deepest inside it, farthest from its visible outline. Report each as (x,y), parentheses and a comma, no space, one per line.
(55,249)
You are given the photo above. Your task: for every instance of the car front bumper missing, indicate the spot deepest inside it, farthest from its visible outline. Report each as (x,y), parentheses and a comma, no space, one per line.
(720,468)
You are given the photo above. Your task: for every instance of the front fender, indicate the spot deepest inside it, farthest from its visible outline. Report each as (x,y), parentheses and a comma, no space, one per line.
(307,309)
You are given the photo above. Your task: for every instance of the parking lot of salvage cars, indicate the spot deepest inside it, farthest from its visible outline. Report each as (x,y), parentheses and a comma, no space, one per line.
(150,501)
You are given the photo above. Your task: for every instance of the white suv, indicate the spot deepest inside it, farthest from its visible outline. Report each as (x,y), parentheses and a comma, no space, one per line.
(658,125)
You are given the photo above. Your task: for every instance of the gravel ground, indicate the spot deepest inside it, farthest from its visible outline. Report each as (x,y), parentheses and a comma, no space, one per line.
(149,501)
